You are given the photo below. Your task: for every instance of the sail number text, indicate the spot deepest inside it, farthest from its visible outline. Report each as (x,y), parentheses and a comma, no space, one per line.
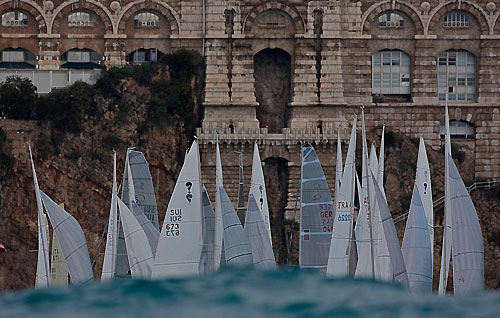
(326,214)
(173,228)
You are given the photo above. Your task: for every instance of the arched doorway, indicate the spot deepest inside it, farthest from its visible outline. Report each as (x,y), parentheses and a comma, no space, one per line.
(272,88)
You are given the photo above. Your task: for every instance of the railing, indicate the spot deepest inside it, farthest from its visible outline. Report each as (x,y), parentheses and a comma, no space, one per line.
(440,201)
(287,136)
(46,80)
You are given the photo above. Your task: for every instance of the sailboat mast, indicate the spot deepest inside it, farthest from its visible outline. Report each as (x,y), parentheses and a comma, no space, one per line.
(41,229)
(367,203)
(241,202)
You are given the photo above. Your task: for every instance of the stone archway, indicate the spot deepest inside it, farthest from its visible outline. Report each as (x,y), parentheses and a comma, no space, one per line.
(273,89)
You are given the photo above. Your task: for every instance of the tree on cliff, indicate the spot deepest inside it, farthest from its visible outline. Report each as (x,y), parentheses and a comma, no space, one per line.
(18,98)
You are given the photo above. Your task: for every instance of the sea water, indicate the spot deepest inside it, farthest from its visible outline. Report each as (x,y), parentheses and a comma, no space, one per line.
(285,292)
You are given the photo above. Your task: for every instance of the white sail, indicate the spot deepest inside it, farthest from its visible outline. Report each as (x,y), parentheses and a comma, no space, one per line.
(142,186)
(236,246)
(338,258)
(316,213)
(43,268)
(139,252)
(72,241)
(384,258)
(181,240)
(42,278)
(152,233)
(108,266)
(338,167)
(59,270)
(364,231)
(468,249)
(447,231)
(255,230)
(207,260)
(258,188)
(219,226)
(416,247)
(398,264)
(423,181)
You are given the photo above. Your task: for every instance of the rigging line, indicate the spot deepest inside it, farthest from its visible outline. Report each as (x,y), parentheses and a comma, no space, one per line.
(292,229)
(96,254)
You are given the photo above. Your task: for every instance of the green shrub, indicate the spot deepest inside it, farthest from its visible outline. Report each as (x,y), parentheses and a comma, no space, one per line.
(18,98)
(45,146)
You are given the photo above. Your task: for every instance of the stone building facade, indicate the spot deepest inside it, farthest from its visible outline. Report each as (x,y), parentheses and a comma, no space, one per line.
(285,73)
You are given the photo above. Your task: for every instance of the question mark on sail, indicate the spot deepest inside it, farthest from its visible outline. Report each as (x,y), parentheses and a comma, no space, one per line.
(425,187)
(261,200)
(189,196)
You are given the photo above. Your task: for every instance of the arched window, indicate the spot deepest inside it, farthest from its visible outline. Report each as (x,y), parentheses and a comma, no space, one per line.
(457,70)
(80,18)
(14,18)
(391,73)
(456,19)
(146,19)
(272,18)
(459,129)
(390,19)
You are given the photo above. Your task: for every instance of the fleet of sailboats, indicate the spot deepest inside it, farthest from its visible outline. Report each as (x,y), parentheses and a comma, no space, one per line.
(197,238)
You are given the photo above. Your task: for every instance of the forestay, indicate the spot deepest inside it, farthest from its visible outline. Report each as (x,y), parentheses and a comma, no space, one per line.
(207,261)
(468,250)
(255,230)
(139,252)
(398,264)
(316,213)
(180,243)
(258,188)
(338,258)
(236,245)
(72,241)
(416,247)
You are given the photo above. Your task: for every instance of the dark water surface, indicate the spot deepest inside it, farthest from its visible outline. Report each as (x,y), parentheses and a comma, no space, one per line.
(287,292)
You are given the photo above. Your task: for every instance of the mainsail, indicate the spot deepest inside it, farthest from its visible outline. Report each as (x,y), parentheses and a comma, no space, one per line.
(447,231)
(423,181)
(137,186)
(338,166)
(398,264)
(181,240)
(139,252)
(207,260)
(236,246)
(416,247)
(258,188)
(255,230)
(338,258)
(42,267)
(468,250)
(219,226)
(316,213)
(72,241)
(59,270)
(108,266)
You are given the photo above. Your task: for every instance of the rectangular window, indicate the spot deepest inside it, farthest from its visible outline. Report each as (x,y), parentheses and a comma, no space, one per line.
(452,59)
(78,56)
(395,58)
(376,59)
(452,80)
(395,80)
(376,79)
(386,58)
(471,80)
(442,79)
(461,97)
(13,56)
(461,79)
(442,59)
(461,58)
(405,60)
(386,77)
(442,97)
(470,97)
